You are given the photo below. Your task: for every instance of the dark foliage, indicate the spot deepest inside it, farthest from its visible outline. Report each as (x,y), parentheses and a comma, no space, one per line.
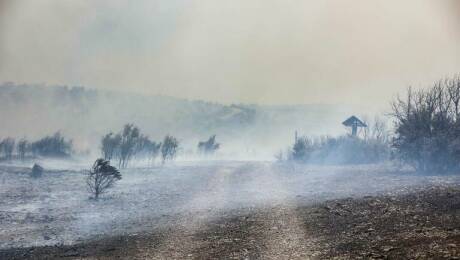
(148,149)
(109,145)
(427,129)
(169,148)
(101,177)
(210,146)
(52,146)
(7,148)
(22,148)
(129,140)
(370,146)
(127,144)
(339,150)
(37,171)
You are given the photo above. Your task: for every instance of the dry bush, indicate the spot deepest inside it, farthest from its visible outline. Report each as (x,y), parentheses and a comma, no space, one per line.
(37,171)
(101,177)
(427,127)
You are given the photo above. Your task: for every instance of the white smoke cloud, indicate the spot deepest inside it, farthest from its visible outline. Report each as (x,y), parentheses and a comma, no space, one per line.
(358,52)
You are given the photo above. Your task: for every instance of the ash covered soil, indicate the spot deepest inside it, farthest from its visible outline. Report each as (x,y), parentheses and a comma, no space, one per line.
(239,210)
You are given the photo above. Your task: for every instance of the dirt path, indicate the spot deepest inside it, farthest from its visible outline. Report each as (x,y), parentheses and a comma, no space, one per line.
(285,236)
(212,197)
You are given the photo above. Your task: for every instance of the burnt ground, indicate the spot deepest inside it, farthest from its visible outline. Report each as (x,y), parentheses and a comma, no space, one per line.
(424,223)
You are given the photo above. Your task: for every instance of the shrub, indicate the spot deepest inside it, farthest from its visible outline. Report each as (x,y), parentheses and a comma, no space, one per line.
(101,177)
(210,146)
(37,171)
(427,127)
(339,150)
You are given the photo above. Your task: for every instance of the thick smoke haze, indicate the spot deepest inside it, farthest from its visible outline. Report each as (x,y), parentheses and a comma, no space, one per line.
(267,52)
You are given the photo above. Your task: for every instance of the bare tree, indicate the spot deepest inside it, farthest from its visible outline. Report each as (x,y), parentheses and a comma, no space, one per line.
(427,130)
(379,130)
(101,177)
(169,148)
(453,90)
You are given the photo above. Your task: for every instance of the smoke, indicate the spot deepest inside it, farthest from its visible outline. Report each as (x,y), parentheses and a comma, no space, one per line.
(271,52)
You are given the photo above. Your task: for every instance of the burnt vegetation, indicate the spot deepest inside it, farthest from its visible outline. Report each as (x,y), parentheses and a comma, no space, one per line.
(101,178)
(427,127)
(371,146)
(426,134)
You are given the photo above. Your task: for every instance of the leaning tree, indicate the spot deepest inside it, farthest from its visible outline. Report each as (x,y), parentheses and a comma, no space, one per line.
(101,177)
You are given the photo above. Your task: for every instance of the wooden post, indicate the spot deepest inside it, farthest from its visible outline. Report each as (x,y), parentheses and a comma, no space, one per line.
(354,129)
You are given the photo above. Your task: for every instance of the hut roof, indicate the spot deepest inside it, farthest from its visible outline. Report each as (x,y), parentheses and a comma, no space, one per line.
(353,120)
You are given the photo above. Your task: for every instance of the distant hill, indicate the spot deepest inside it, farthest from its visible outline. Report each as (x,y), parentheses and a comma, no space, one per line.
(86,114)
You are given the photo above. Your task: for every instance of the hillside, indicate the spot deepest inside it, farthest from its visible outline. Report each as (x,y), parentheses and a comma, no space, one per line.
(86,114)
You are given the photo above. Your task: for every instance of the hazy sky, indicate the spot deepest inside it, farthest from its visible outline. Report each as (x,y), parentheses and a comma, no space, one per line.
(266,51)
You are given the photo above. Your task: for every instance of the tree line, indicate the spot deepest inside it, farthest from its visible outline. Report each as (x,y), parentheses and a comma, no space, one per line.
(130,143)
(54,145)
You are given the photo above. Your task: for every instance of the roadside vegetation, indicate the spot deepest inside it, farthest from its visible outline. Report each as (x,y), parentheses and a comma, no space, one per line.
(425,135)
(372,145)
(427,127)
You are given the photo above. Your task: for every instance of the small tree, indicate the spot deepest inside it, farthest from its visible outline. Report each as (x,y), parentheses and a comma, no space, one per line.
(169,148)
(210,146)
(101,177)
(129,141)
(154,150)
